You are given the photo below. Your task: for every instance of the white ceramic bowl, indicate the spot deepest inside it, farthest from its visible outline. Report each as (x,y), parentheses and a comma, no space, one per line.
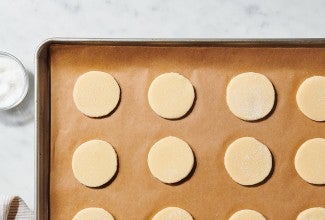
(25,83)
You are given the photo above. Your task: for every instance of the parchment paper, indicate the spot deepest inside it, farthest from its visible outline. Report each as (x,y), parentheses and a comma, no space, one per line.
(133,128)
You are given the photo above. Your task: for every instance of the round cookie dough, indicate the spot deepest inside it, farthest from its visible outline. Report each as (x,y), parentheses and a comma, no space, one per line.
(247,214)
(172,213)
(310,161)
(248,161)
(171,95)
(94,163)
(312,214)
(250,96)
(311,98)
(93,214)
(170,159)
(96,93)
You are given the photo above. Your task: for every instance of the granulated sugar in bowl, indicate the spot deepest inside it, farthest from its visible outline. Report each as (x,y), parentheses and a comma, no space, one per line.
(13,81)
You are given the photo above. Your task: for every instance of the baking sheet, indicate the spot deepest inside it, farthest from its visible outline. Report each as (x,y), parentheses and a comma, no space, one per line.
(133,128)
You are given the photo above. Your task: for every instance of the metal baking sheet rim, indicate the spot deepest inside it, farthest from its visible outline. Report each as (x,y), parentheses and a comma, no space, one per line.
(42,112)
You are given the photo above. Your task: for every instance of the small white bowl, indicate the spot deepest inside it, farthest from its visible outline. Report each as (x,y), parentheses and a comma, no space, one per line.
(26,81)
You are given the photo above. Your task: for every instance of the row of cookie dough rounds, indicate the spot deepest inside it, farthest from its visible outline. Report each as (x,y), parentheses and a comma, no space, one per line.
(247,160)
(175,213)
(250,96)
(170,160)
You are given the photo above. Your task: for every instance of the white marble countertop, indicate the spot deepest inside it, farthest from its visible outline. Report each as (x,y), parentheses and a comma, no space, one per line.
(25,24)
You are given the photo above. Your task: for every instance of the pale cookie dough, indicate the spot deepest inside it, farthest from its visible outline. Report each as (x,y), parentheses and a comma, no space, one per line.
(172,213)
(311,98)
(94,163)
(312,214)
(170,159)
(171,95)
(248,161)
(310,161)
(250,96)
(93,214)
(247,214)
(96,93)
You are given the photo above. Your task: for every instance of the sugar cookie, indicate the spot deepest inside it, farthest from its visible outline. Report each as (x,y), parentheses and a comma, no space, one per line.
(171,95)
(172,213)
(93,214)
(250,96)
(310,161)
(94,163)
(317,213)
(248,161)
(96,93)
(247,214)
(311,98)
(170,159)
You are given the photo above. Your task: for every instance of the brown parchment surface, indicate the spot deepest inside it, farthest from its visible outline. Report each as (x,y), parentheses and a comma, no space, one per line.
(133,128)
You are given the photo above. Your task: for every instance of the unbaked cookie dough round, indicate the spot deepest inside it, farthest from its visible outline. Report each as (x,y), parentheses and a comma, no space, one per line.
(311,98)
(317,213)
(247,214)
(171,95)
(93,214)
(310,161)
(170,160)
(96,93)
(172,213)
(250,96)
(94,163)
(248,161)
